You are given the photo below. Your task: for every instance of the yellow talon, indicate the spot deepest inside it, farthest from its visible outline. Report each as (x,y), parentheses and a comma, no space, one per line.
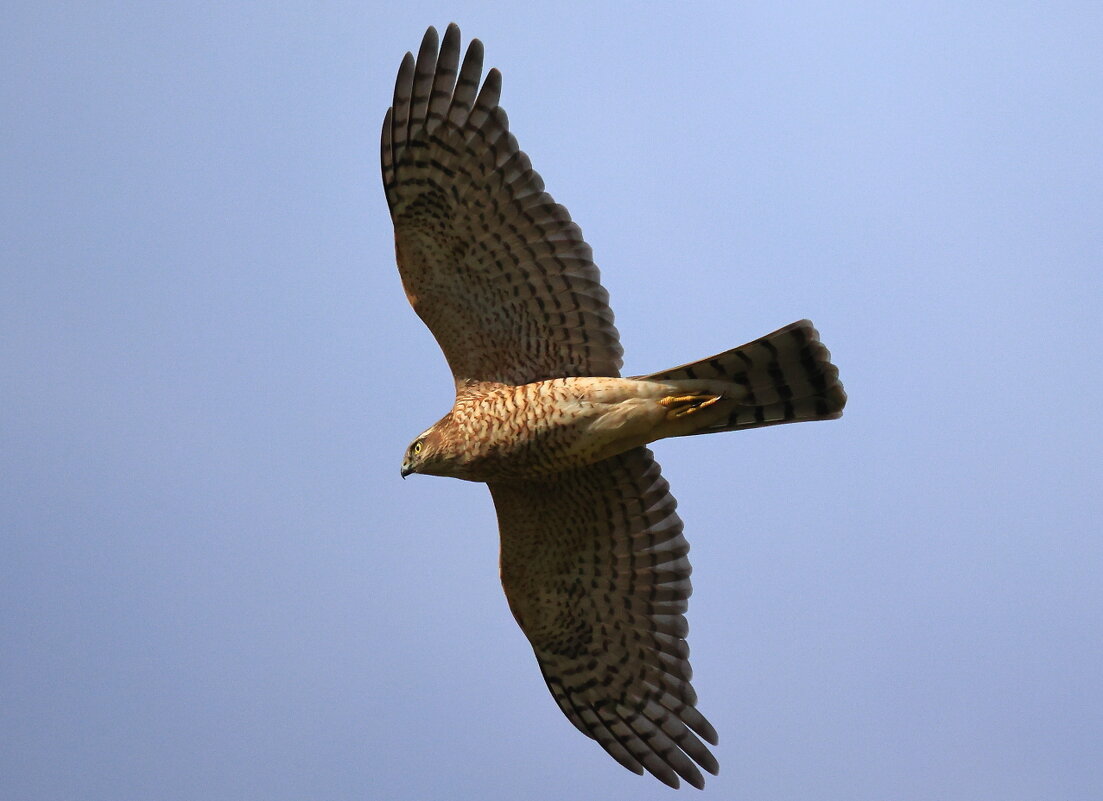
(684,405)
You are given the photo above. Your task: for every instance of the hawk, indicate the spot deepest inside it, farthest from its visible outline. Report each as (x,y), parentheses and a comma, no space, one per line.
(593,560)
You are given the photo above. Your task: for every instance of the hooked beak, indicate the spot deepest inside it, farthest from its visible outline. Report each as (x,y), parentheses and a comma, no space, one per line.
(406,471)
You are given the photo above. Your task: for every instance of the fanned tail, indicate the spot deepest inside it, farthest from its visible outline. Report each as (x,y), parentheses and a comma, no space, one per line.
(783,377)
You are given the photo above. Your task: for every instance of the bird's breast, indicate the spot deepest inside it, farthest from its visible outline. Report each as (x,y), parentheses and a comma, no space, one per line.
(503,432)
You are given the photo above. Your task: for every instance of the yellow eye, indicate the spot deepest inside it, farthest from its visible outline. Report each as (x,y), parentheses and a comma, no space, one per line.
(417,447)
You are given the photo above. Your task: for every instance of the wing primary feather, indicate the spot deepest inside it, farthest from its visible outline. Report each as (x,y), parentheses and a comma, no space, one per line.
(467,84)
(485,104)
(386,153)
(445,79)
(424,72)
(400,119)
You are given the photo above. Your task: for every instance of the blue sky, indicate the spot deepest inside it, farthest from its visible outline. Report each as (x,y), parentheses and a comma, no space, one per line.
(213,583)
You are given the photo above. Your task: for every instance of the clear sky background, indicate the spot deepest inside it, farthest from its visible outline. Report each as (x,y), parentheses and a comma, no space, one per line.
(213,583)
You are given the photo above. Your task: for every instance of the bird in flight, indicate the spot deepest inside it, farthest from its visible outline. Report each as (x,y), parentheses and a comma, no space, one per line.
(593,560)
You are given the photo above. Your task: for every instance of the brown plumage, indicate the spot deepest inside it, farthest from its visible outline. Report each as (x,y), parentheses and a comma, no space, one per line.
(593,560)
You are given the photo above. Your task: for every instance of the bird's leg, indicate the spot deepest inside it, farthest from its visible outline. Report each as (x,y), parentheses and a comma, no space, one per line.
(685,405)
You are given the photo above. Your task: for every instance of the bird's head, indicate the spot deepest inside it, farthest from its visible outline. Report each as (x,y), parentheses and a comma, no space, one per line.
(425,455)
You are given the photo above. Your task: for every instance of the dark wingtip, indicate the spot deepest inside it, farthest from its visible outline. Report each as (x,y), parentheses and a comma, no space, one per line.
(429,40)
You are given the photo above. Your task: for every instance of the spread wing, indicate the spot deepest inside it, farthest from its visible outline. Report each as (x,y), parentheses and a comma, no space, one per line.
(595,569)
(489,261)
